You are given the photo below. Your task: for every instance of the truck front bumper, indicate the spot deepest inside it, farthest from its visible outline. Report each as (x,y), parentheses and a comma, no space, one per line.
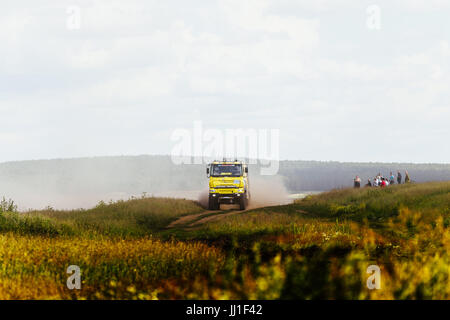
(228,198)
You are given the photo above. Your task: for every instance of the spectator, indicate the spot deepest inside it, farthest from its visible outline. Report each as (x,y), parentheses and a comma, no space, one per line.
(357,182)
(407,179)
(399,178)
(391,179)
(369,184)
(383,183)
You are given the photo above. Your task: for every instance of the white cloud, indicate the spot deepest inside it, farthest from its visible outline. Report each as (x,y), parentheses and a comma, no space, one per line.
(136,70)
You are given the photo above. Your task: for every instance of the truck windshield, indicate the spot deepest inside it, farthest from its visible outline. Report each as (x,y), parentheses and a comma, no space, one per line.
(233,170)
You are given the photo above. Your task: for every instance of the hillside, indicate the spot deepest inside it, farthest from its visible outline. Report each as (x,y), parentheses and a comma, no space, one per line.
(316,248)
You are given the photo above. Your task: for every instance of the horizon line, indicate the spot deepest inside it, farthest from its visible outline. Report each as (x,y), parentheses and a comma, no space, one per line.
(168,155)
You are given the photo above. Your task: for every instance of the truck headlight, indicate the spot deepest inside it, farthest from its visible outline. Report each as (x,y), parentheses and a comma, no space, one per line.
(240,190)
(212,190)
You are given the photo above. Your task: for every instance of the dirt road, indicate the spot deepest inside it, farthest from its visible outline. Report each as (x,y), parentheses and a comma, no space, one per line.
(196,220)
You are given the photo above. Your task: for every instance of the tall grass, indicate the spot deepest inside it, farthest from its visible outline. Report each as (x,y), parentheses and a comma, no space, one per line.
(135,217)
(7,206)
(320,247)
(378,204)
(32,225)
(110,268)
(316,248)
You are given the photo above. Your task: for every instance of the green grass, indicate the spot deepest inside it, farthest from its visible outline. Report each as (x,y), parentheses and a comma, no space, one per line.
(320,247)
(135,217)
(33,225)
(377,204)
(316,248)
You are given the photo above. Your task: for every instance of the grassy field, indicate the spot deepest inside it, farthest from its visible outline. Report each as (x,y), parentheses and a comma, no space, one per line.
(317,248)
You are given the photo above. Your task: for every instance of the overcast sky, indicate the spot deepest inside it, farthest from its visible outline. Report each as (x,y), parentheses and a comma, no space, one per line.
(337,87)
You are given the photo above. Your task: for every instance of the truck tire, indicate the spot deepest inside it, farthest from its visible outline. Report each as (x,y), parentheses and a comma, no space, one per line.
(243,202)
(211,203)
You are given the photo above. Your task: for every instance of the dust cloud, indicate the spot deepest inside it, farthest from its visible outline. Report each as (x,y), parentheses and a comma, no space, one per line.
(82,182)
(264,191)
(268,191)
(203,197)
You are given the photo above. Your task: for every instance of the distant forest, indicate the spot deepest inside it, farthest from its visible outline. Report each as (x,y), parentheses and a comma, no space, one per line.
(137,174)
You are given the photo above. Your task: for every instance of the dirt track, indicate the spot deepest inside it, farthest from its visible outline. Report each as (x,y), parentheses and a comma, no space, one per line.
(214,218)
(196,220)
(187,219)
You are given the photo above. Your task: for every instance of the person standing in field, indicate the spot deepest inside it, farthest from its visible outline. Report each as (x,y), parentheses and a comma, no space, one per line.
(391,179)
(399,177)
(407,179)
(369,184)
(357,182)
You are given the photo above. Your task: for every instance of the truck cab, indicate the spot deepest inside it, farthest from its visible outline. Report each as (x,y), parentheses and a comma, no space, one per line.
(228,184)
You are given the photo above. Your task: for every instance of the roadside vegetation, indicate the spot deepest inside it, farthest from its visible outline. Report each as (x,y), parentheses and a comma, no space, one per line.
(135,217)
(316,248)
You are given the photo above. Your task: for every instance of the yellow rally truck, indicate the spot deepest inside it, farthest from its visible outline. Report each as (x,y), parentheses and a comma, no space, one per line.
(228,184)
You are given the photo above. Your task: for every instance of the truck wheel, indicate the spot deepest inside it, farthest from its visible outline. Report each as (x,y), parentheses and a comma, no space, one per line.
(212,203)
(243,202)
